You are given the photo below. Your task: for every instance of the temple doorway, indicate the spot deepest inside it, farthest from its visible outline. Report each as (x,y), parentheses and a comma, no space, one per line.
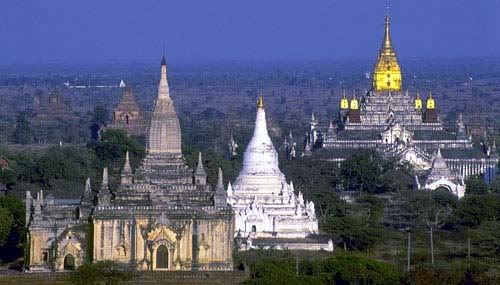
(162,257)
(69,262)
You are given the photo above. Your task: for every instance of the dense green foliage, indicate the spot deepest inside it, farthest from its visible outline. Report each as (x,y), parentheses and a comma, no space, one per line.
(476,185)
(101,272)
(12,227)
(284,267)
(112,147)
(22,133)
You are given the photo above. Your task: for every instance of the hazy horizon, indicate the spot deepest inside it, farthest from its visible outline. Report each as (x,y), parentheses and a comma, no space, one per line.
(222,30)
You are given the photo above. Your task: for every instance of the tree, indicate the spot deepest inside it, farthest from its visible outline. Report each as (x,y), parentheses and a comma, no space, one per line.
(475,209)
(63,163)
(22,133)
(6,222)
(113,146)
(99,118)
(495,185)
(12,227)
(362,172)
(102,272)
(100,115)
(476,185)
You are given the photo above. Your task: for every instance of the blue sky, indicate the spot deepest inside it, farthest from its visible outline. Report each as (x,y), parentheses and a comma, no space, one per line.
(100,31)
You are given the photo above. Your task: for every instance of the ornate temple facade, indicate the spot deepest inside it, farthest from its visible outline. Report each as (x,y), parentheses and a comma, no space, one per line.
(127,114)
(163,216)
(267,211)
(400,125)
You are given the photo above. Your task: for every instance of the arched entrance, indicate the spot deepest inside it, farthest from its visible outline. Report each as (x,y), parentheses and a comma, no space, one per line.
(162,257)
(69,262)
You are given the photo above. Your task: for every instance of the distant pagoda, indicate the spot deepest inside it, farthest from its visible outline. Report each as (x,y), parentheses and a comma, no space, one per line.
(128,115)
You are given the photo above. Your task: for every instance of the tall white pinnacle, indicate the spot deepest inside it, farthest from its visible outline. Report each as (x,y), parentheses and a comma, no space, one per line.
(260,155)
(105,179)
(126,167)
(163,88)
(164,131)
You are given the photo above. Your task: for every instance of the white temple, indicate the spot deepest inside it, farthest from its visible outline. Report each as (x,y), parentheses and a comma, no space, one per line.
(442,177)
(265,205)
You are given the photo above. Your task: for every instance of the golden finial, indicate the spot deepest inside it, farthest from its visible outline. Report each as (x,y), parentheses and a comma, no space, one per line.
(260,102)
(387,34)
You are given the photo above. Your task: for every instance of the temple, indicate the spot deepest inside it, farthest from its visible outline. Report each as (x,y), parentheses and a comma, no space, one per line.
(128,115)
(268,213)
(163,215)
(403,126)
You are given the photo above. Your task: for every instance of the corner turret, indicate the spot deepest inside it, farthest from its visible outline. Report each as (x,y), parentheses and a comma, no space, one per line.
(200,175)
(220,196)
(104,196)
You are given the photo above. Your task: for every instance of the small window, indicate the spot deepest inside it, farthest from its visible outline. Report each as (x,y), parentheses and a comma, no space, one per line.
(254,229)
(45,256)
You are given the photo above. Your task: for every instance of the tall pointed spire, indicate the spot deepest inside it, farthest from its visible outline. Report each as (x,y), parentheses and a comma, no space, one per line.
(220,182)
(387,73)
(164,132)
(260,154)
(163,88)
(88,188)
(126,176)
(387,44)
(220,197)
(126,167)
(200,175)
(104,195)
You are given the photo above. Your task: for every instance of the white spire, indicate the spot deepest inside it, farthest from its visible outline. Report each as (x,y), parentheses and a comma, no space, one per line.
(164,131)
(88,189)
(105,179)
(163,88)
(126,167)
(260,155)
(220,181)
(229,189)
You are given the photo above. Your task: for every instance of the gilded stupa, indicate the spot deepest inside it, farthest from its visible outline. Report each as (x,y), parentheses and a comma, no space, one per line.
(387,73)
(401,125)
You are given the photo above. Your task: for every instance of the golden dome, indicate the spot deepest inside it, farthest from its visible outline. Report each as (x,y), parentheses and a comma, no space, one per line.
(418,102)
(430,102)
(344,102)
(387,73)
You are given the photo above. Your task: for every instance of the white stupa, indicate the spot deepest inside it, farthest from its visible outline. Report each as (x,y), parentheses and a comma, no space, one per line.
(264,204)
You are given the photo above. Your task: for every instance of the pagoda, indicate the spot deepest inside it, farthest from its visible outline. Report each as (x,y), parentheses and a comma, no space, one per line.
(128,115)
(399,125)
(162,216)
(268,212)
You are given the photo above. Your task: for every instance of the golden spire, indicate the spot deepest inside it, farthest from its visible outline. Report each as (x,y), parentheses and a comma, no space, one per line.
(260,102)
(387,73)
(387,44)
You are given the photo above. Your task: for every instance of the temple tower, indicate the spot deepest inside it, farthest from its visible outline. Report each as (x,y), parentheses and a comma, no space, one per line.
(164,131)
(387,73)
